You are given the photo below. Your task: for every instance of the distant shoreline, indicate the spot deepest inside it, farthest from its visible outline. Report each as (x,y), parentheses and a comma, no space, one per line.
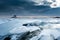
(31,17)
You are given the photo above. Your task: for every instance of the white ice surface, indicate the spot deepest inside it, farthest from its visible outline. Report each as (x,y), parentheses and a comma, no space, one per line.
(15,26)
(23,29)
(48,32)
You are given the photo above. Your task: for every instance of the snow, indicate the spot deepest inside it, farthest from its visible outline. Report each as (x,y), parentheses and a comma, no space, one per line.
(5,27)
(14,37)
(47,34)
(3,21)
(45,37)
(34,38)
(19,30)
(23,29)
(53,32)
(51,27)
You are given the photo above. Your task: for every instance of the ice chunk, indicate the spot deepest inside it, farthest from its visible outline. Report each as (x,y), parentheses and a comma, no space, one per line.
(19,30)
(24,29)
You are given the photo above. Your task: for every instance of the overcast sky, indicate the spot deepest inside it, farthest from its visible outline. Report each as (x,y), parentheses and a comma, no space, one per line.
(29,7)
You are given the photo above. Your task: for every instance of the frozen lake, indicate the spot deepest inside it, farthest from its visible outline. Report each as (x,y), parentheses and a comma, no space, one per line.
(44,28)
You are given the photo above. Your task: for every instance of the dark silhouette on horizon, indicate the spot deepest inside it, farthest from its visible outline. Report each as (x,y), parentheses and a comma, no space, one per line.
(14,16)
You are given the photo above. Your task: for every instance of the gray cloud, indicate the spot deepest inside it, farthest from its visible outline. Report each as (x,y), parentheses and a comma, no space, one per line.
(21,7)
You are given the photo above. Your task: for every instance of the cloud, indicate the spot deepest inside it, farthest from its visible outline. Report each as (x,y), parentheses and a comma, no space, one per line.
(21,7)
(55,4)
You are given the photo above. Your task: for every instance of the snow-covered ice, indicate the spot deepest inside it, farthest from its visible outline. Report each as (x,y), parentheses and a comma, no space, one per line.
(23,29)
(49,28)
